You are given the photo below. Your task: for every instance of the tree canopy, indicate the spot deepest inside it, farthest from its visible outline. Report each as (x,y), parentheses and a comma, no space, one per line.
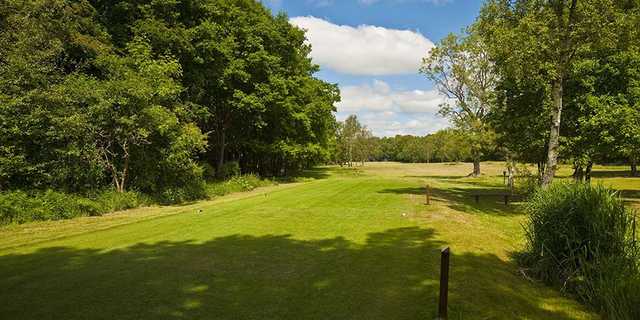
(143,94)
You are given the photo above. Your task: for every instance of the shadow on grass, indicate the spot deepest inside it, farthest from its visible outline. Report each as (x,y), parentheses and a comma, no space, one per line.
(437,177)
(630,197)
(630,194)
(393,275)
(313,173)
(462,199)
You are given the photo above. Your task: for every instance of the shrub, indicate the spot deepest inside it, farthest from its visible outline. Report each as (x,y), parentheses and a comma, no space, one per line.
(230,169)
(208,172)
(60,205)
(236,184)
(526,182)
(17,207)
(579,237)
(20,207)
(190,192)
(111,200)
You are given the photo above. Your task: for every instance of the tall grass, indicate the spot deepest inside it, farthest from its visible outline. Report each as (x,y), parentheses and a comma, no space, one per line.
(237,183)
(20,207)
(580,238)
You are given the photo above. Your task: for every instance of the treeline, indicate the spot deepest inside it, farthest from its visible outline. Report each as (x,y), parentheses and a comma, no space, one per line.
(446,145)
(155,96)
(356,143)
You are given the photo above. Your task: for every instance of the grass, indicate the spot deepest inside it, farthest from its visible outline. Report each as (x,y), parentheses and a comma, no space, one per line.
(350,244)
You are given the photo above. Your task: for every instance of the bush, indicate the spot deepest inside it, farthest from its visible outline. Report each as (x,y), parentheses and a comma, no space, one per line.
(579,237)
(526,182)
(230,169)
(208,172)
(194,190)
(20,207)
(111,200)
(236,184)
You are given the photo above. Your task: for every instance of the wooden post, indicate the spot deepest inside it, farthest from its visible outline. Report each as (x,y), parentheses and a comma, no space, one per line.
(444,283)
(427,194)
(504,177)
(506,199)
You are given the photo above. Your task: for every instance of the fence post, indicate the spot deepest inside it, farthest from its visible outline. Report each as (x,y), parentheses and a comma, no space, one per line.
(444,283)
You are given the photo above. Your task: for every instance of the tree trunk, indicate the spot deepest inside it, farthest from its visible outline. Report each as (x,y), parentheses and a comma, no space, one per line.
(125,172)
(587,173)
(221,149)
(634,168)
(578,173)
(476,168)
(554,134)
(541,171)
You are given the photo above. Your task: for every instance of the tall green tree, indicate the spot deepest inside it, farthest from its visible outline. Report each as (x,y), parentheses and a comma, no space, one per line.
(248,70)
(132,113)
(541,40)
(79,114)
(462,71)
(41,44)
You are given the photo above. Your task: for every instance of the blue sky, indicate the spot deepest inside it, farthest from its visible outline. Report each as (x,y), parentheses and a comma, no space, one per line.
(372,50)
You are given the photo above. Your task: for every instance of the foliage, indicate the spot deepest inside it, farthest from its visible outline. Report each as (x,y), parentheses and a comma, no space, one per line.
(139,95)
(41,138)
(237,183)
(248,71)
(354,142)
(110,200)
(230,169)
(462,71)
(579,237)
(447,145)
(20,207)
(537,47)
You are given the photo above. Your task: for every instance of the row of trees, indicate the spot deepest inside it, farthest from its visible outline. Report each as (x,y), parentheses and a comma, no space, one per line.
(144,93)
(548,80)
(355,143)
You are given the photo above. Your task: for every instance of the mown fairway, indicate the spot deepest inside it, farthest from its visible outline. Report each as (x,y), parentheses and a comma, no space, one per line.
(349,245)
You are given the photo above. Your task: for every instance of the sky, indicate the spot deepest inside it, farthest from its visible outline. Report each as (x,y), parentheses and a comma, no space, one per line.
(373,49)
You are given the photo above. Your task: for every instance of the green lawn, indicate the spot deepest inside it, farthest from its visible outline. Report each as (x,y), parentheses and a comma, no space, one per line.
(349,245)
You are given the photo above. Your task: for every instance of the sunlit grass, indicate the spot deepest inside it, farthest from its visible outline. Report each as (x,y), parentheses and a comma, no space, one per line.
(352,244)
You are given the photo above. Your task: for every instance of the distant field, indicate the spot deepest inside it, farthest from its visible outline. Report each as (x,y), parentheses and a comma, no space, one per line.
(352,244)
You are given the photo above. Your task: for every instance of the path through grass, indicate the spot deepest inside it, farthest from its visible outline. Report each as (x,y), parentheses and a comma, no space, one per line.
(354,245)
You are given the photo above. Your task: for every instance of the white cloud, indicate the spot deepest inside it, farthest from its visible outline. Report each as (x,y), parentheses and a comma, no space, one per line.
(399,124)
(388,112)
(380,97)
(364,50)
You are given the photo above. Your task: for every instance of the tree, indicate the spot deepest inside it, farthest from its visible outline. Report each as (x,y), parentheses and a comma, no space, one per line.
(520,120)
(364,145)
(78,114)
(248,70)
(461,70)
(540,40)
(129,108)
(42,43)
(347,135)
